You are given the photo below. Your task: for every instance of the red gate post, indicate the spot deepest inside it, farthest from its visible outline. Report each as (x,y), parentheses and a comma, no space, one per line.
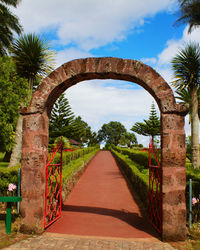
(155,191)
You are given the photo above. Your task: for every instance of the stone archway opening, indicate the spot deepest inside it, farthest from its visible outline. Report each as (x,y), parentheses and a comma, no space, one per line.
(35,137)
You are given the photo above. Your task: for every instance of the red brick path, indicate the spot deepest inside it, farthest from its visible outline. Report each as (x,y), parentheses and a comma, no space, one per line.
(102,205)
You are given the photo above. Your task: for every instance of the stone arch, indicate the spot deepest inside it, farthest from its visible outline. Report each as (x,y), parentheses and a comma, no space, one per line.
(35,137)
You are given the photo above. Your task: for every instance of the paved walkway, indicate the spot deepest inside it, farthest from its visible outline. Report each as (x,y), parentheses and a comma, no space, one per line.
(68,242)
(100,213)
(102,205)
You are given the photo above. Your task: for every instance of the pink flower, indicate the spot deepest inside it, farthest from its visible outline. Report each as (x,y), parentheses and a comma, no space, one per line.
(11,187)
(194,201)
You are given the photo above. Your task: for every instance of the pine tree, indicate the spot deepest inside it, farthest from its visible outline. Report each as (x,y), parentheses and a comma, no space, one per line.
(61,121)
(150,127)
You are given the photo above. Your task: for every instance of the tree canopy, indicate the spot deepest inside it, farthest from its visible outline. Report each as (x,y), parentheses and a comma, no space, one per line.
(13,92)
(111,132)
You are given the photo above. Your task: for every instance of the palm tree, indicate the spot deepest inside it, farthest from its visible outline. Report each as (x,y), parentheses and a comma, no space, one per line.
(185,98)
(186,67)
(34,60)
(9,24)
(190,13)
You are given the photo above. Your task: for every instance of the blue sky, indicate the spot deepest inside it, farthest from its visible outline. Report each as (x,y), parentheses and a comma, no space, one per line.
(136,29)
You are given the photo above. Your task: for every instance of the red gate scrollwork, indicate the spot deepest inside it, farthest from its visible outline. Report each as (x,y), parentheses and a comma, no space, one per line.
(53,187)
(155,190)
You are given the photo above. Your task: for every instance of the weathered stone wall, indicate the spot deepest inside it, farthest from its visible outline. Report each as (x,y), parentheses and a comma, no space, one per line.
(35,136)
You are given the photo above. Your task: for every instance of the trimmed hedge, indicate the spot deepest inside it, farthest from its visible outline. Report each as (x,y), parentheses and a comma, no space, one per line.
(71,156)
(139,157)
(138,180)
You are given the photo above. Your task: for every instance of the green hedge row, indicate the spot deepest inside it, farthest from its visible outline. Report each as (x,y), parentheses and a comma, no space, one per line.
(71,156)
(138,180)
(139,157)
(72,167)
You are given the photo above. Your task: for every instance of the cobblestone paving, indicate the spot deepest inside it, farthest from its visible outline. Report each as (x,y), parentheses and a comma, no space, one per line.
(88,243)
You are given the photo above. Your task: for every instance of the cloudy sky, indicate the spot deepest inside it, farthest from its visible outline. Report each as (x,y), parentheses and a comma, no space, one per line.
(136,29)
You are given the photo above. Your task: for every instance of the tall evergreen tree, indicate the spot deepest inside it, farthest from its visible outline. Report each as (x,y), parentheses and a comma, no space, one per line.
(150,127)
(81,131)
(61,121)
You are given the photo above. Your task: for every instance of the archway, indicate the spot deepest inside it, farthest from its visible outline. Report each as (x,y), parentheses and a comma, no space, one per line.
(35,137)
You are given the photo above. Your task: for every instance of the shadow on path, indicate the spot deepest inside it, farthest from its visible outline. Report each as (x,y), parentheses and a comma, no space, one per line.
(132,219)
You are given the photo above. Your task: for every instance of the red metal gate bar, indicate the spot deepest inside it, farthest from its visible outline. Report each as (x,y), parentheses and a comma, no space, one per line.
(53,188)
(155,191)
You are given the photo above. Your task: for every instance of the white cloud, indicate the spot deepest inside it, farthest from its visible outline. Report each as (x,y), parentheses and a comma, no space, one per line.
(162,63)
(98,103)
(151,60)
(66,55)
(87,23)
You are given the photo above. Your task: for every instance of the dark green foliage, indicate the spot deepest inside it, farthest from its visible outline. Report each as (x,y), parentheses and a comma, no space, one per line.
(13,92)
(150,127)
(9,24)
(111,132)
(138,180)
(190,13)
(7,176)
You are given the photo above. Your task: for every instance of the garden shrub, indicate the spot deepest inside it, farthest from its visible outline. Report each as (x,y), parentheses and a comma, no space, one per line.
(139,157)
(7,176)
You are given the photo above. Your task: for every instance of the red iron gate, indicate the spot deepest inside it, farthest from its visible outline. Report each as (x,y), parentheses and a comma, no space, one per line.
(53,187)
(155,190)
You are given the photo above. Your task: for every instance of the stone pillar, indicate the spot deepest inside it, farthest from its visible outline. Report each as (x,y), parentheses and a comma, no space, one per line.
(173,177)
(34,155)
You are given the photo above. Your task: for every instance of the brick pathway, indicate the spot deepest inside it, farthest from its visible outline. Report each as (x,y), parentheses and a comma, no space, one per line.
(67,242)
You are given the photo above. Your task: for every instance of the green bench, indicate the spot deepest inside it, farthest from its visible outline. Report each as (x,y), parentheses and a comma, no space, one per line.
(9,200)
